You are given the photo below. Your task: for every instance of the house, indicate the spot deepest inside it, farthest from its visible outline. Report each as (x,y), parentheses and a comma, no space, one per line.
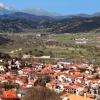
(26,56)
(73,89)
(1,68)
(38,35)
(81,41)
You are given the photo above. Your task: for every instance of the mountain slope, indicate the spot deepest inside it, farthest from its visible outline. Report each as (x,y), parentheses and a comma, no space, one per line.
(23,22)
(77,24)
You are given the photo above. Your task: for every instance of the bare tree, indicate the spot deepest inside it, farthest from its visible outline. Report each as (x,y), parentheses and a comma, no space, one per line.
(40,93)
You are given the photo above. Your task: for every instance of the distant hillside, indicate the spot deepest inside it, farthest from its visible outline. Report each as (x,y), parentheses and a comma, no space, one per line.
(23,22)
(76,24)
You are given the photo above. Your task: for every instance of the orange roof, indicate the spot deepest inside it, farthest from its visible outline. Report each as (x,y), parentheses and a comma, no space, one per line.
(75,97)
(72,87)
(78,74)
(67,87)
(75,86)
(9,94)
(47,71)
(49,65)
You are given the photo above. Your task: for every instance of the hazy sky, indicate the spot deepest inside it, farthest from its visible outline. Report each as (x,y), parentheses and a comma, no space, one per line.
(59,6)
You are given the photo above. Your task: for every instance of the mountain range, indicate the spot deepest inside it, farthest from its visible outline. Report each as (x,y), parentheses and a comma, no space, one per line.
(37,19)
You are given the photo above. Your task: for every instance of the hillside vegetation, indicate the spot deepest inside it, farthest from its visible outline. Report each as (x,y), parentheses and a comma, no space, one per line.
(23,22)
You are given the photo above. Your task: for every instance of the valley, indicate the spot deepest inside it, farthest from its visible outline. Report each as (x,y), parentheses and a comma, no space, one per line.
(49,50)
(80,47)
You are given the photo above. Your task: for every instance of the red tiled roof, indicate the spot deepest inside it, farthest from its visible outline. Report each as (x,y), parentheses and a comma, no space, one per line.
(67,87)
(8,94)
(72,87)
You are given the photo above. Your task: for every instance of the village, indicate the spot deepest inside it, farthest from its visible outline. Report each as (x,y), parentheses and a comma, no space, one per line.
(74,81)
(49,50)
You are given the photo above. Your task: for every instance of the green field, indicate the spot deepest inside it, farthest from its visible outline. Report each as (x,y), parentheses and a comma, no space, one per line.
(60,46)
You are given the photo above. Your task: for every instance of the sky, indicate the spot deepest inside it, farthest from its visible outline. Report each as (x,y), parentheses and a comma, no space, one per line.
(60,6)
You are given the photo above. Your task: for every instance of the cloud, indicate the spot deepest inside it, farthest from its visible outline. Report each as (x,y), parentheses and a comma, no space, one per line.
(40,12)
(4,6)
